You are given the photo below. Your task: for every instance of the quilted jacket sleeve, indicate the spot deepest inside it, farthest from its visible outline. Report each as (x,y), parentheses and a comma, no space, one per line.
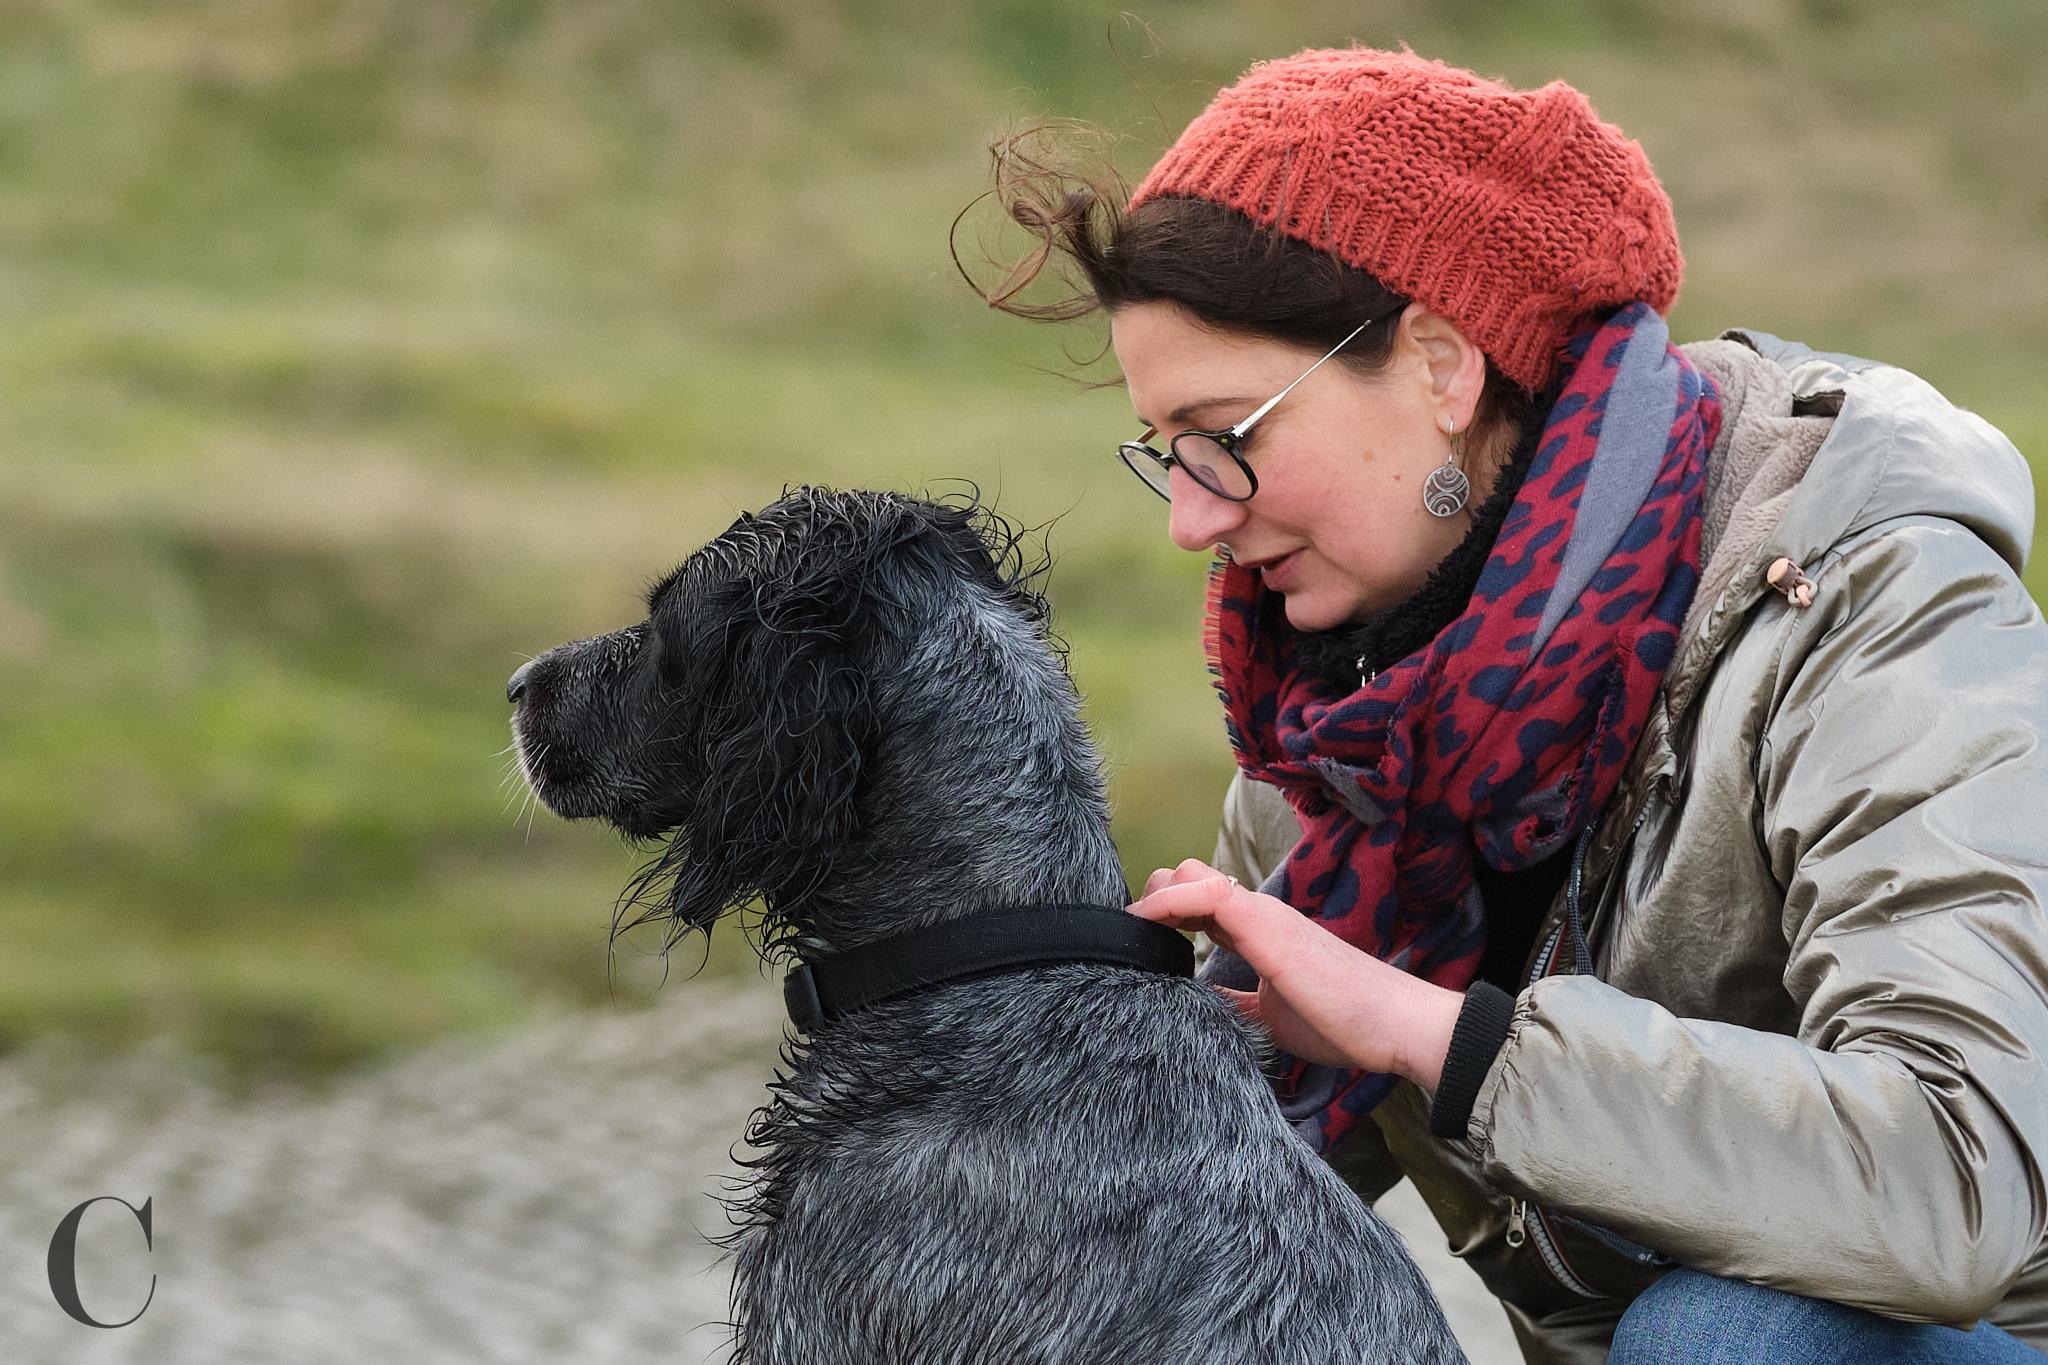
(1890,1155)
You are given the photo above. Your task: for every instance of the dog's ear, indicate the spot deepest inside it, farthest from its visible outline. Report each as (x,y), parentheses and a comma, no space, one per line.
(779,726)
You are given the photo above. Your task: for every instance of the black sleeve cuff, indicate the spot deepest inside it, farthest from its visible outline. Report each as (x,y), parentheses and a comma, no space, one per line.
(1481,1030)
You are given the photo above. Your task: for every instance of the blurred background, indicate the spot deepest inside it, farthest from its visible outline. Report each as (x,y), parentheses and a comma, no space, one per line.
(355,350)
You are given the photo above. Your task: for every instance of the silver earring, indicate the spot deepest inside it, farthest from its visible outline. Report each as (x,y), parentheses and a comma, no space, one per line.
(1446,490)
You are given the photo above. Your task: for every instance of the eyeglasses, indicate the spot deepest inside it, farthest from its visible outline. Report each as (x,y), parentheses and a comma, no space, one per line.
(1213,459)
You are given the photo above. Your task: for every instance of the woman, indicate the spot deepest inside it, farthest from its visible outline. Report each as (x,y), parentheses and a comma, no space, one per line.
(1643,742)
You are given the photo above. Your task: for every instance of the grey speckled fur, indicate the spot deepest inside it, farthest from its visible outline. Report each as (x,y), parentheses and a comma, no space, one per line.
(849,707)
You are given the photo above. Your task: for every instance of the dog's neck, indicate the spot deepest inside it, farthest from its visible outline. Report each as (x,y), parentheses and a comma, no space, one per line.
(986,793)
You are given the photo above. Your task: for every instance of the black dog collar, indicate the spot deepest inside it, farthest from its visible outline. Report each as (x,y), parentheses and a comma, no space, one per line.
(981,945)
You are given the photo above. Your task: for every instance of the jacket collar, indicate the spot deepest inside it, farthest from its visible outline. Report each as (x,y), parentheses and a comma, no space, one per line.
(1814,447)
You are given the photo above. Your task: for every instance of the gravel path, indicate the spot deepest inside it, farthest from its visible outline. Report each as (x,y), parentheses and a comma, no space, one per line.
(542,1196)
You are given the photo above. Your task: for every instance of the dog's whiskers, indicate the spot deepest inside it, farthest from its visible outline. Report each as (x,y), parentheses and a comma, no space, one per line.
(515,773)
(533,802)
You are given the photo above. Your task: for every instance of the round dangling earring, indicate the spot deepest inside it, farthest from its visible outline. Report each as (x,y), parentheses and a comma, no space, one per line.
(1446,490)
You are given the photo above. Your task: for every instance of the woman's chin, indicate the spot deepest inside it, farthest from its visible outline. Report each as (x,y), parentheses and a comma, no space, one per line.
(1306,613)
(1309,610)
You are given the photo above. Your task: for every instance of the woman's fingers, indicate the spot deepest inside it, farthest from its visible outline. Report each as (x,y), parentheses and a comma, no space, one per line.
(1265,932)
(1246,1003)
(1190,916)
(1319,998)
(1187,870)
(1187,905)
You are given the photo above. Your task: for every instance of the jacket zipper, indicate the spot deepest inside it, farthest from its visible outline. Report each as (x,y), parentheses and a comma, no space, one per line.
(1540,967)
(1536,1229)
(1522,1227)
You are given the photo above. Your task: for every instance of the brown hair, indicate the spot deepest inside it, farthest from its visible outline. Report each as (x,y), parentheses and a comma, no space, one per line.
(1213,261)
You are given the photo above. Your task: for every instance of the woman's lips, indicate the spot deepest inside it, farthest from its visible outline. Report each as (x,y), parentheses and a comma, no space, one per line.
(1279,575)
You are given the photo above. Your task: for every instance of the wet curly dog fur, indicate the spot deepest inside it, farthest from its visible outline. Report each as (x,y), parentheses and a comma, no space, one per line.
(849,708)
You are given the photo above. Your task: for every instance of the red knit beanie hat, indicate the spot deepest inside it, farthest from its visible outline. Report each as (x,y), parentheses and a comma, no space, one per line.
(1513,213)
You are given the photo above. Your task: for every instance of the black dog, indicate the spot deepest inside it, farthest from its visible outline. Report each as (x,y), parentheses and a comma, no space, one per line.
(849,707)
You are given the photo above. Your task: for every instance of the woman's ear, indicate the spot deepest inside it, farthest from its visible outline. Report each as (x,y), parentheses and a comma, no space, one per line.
(1453,369)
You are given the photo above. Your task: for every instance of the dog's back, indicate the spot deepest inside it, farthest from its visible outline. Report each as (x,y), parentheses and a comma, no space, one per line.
(1074,1164)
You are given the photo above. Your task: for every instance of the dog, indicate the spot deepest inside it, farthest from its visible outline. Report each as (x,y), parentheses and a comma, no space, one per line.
(850,706)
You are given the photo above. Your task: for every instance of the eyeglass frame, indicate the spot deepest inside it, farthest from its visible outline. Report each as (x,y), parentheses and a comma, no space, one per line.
(1227,439)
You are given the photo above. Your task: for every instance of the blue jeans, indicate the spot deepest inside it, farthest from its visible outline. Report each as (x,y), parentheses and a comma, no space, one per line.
(1691,1318)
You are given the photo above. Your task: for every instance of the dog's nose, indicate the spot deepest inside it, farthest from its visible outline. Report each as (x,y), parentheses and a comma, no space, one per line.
(514,688)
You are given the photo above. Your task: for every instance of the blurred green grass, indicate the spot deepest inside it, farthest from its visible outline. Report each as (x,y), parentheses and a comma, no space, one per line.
(357,351)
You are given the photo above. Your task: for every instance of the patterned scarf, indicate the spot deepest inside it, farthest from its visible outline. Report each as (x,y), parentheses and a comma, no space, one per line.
(1504,736)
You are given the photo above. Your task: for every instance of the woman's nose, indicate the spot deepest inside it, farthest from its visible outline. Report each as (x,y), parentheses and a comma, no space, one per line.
(1199,518)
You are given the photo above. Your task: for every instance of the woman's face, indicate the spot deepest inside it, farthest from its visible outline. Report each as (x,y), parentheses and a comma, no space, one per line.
(1337,525)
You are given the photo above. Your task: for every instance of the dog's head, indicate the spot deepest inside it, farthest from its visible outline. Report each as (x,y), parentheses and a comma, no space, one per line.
(748,715)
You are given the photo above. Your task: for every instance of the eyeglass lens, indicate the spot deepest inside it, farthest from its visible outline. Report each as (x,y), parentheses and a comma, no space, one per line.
(1210,465)
(1205,460)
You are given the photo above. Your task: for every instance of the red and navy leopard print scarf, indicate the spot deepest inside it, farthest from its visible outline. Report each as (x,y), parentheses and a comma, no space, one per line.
(1504,736)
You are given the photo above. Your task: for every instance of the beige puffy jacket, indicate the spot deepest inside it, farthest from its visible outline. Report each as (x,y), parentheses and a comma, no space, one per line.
(1814,1049)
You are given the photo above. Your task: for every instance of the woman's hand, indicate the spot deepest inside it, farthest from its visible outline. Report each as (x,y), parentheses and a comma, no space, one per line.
(1320,998)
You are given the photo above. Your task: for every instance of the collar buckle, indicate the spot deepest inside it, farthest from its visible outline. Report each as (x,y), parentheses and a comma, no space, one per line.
(800,995)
